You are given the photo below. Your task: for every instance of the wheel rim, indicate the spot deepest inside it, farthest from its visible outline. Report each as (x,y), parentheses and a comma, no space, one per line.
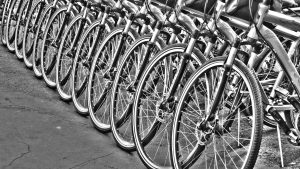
(30,33)
(11,26)
(65,62)
(4,21)
(38,43)
(122,102)
(20,30)
(190,143)
(50,49)
(98,96)
(82,66)
(151,124)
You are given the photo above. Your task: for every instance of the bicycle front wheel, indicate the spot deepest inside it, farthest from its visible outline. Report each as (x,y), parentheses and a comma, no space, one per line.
(122,99)
(99,86)
(4,18)
(85,53)
(57,23)
(11,24)
(30,31)
(151,124)
(46,14)
(66,55)
(20,29)
(234,136)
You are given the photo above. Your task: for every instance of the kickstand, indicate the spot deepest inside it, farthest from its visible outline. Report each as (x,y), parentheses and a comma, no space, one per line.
(280,145)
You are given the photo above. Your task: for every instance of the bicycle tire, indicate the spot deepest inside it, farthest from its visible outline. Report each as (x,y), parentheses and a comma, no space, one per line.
(11,24)
(48,59)
(66,59)
(38,40)
(103,124)
(81,67)
(20,29)
(121,97)
(4,18)
(200,141)
(30,32)
(150,124)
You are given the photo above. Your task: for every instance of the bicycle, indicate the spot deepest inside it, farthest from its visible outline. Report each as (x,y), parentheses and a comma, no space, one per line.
(129,71)
(20,28)
(30,32)
(4,17)
(10,33)
(210,129)
(110,20)
(55,28)
(68,47)
(104,64)
(161,84)
(47,9)
(87,46)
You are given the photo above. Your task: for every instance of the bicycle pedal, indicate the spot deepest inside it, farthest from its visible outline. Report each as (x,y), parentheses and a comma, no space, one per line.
(294,138)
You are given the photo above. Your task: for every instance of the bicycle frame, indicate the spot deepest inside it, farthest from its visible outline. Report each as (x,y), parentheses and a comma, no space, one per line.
(195,35)
(283,58)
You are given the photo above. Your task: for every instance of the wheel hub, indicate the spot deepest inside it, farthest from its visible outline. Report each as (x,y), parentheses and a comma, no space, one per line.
(161,115)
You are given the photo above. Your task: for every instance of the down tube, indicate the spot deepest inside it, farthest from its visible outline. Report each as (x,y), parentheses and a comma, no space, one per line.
(282,57)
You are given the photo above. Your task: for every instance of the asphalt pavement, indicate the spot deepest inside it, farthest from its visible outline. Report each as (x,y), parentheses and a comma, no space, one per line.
(39,131)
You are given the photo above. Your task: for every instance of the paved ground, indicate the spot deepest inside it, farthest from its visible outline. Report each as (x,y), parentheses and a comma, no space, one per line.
(39,131)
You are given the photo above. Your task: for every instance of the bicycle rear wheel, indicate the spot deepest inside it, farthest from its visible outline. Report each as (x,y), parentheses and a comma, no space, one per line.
(234,137)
